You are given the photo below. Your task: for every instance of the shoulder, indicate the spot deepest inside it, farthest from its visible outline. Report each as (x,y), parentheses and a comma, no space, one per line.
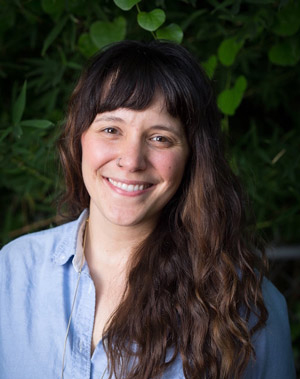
(38,239)
(42,245)
(275,303)
(274,356)
(277,329)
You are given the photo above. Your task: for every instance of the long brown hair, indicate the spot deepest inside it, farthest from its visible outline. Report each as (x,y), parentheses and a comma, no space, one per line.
(192,284)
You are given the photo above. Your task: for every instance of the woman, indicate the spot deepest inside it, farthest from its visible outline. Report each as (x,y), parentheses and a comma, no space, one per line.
(156,277)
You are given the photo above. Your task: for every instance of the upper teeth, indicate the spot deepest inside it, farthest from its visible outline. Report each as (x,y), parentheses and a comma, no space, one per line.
(128,187)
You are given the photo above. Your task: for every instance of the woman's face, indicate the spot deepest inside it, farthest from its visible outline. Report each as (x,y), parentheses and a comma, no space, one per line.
(133,163)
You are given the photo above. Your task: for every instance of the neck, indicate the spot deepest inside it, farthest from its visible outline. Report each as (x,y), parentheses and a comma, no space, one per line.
(110,244)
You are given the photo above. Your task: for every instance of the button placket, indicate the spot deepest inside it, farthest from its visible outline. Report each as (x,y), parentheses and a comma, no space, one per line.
(83,329)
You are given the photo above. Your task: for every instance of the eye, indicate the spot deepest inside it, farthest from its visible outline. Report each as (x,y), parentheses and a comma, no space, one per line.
(161,141)
(110,130)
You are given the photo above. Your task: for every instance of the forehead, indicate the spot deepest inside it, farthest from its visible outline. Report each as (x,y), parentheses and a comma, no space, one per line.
(136,90)
(156,114)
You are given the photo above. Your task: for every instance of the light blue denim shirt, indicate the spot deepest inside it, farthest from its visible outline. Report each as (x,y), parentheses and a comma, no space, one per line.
(38,276)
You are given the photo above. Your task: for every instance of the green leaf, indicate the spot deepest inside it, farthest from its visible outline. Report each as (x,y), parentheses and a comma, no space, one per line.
(126,5)
(228,50)
(86,45)
(4,133)
(103,33)
(286,53)
(229,99)
(172,32)
(19,106)
(40,124)
(54,34)
(17,130)
(53,7)
(74,65)
(151,20)
(7,16)
(240,84)
(287,20)
(210,65)
(189,19)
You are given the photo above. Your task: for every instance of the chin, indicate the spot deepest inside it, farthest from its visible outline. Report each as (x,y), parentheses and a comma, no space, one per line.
(126,222)
(130,221)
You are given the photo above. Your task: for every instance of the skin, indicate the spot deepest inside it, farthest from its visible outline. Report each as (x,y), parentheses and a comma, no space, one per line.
(126,199)
(153,151)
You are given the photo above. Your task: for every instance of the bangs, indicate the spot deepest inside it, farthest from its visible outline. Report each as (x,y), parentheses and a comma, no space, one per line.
(131,75)
(129,85)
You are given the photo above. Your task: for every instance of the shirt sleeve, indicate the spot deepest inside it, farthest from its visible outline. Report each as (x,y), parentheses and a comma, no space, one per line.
(274,355)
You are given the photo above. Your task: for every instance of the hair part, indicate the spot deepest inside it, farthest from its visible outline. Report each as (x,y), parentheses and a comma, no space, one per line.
(192,281)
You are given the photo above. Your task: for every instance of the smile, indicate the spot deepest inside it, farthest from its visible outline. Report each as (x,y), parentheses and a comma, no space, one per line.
(129,187)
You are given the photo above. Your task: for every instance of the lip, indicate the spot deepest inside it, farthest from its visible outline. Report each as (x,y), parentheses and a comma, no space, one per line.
(128,187)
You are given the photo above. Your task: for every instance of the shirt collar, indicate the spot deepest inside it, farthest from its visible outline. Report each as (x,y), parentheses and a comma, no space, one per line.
(71,242)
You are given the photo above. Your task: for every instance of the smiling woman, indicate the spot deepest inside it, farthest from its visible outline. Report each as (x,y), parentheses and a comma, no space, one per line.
(151,149)
(158,277)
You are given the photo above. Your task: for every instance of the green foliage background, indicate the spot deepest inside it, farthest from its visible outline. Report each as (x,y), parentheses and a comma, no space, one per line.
(250,49)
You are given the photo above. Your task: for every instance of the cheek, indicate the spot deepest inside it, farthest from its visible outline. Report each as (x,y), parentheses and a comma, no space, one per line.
(94,152)
(171,167)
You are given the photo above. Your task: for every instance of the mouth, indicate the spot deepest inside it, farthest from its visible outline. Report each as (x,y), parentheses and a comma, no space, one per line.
(129,187)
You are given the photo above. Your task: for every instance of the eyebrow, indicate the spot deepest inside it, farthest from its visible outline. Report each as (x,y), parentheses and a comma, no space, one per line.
(171,129)
(109,118)
(167,128)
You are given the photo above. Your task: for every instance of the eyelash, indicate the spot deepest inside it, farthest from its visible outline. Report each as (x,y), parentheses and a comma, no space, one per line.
(110,130)
(163,139)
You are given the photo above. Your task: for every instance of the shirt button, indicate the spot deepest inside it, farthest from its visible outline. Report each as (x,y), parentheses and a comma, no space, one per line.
(81,345)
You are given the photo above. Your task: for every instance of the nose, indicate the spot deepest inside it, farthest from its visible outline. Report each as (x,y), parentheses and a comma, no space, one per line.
(133,156)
